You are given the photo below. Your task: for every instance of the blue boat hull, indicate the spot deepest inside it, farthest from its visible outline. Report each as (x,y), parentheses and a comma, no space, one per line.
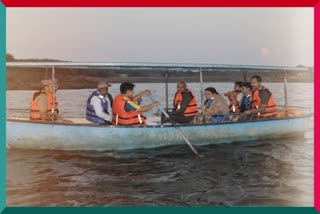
(85,137)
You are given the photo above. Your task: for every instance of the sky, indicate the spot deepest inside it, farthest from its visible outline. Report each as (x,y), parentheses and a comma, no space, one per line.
(250,36)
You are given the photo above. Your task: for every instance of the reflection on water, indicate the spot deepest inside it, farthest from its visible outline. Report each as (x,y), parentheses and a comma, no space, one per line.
(263,173)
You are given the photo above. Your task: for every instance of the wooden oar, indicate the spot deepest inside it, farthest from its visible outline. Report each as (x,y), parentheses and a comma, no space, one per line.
(175,126)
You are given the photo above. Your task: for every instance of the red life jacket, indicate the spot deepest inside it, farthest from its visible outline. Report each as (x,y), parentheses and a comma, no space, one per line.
(122,117)
(192,108)
(34,108)
(271,108)
(232,103)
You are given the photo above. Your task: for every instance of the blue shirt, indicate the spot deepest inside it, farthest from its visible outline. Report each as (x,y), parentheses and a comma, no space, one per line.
(245,103)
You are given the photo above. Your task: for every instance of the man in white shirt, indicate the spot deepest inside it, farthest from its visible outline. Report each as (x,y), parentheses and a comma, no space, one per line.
(99,105)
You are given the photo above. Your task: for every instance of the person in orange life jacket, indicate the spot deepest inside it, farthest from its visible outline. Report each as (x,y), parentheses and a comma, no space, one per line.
(184,105)
(126,111)
(235,97)
(42,103)
(99,104)
(262,101)
(215,107)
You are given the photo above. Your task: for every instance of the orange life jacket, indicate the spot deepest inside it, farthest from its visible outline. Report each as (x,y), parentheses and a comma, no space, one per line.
(232,103)
(271,108)
(122,117)
(34,108)
(192,108)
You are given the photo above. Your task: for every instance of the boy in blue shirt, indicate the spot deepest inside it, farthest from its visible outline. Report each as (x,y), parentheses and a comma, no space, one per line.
(245,103)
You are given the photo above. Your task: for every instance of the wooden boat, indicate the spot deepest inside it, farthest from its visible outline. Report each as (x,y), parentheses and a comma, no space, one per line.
(82,135)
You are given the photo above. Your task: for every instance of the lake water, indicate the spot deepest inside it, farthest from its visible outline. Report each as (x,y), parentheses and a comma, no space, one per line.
(254,173)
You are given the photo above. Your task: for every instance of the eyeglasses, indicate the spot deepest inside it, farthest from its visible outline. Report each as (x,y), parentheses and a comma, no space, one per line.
(181,87)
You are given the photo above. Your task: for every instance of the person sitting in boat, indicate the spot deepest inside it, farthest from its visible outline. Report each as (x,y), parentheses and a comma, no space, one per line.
(126,111)
(185,106)
(235,97)
(99,104)
(215,108)
(263,104)
(245,103)
(43,101)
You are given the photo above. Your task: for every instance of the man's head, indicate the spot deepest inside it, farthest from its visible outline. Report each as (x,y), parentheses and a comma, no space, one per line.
(246,88)
(256,82)
(127,89)
(103,88)
(181,86)
(50,85)
(238,86)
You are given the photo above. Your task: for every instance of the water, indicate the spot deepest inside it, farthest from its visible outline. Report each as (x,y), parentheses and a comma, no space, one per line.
(254,173)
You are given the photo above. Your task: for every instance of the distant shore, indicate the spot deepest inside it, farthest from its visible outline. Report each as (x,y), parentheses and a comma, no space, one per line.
(78,78)
(30,79)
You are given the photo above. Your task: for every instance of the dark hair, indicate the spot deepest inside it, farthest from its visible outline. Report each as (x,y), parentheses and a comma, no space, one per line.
(126,86)
(212,90)
(257,77)
(239,83)
(247,85)
(182,82)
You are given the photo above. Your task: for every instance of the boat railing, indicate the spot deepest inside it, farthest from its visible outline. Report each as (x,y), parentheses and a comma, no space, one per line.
(281,113)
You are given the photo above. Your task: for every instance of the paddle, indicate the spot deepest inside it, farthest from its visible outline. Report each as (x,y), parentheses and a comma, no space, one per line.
(175,126)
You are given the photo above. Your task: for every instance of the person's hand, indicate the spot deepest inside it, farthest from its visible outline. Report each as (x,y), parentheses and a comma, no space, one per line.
(157,103)
(146,92)
(227,94)
(247,112)
(203,107)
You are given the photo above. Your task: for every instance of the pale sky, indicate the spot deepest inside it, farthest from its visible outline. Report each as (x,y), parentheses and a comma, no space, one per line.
(256,36)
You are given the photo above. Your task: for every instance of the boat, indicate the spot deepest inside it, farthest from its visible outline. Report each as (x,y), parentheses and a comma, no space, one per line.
(83,135)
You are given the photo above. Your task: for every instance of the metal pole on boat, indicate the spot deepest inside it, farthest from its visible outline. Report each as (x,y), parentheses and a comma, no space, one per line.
(175,126)
(201,85)
(244,76)
(53,95)
(167,89)
(285,92)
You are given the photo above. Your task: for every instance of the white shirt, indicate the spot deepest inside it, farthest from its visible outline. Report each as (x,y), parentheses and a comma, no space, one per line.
(239,97)
(96,102)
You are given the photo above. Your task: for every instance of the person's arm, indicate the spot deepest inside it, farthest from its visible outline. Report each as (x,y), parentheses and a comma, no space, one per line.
(186,99)
(148,107)
(96,102)
(227,94)
(210,111)
(142,93)
(131,106)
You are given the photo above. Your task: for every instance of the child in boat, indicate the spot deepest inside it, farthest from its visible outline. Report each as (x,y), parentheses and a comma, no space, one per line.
(215,107)
(185,106)
(43,101)
(99,104)
(235,97)
(245,103)
(126,111)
